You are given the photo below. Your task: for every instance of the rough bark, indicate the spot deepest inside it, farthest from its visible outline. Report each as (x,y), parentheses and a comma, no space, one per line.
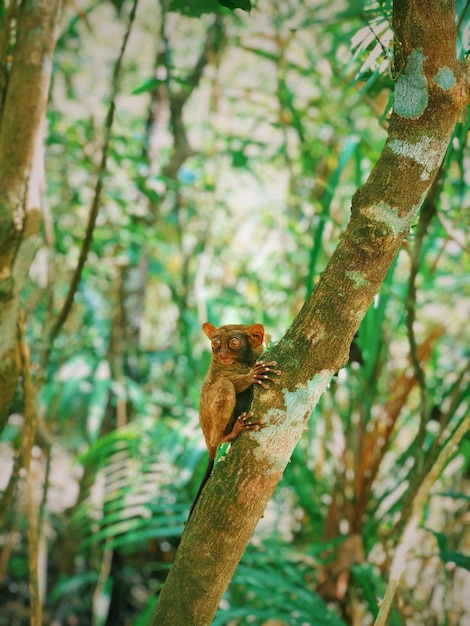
(431,94)
(23,109)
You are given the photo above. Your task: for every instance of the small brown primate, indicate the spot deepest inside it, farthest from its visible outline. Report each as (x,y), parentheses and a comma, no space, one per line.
(227,388)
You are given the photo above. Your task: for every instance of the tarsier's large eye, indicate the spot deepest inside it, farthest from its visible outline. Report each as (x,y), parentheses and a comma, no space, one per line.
(234,343)
(215,344)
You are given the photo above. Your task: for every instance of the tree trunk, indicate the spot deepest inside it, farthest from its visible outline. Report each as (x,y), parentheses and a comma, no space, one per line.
(25,88)
(431,93)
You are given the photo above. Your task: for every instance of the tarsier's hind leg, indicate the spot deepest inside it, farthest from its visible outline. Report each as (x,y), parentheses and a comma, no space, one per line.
(216,413)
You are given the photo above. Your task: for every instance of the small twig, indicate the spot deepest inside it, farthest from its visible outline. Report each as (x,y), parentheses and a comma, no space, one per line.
(96,202)
(103,575)
(462,15)
(460,387)
(408,536)
(428,211)
(8,24)
(181,148)
(386,604)
(29,435)
(450,235)
(47,473)
(6,498)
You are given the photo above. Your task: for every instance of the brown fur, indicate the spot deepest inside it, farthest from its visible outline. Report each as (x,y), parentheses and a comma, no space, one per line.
(227,388)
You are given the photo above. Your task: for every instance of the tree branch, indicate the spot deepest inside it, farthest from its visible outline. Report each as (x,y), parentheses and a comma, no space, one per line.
(408,537)
(430,96)
(418,470)
(30,426)
(96,202)
(23,108)
(181,148)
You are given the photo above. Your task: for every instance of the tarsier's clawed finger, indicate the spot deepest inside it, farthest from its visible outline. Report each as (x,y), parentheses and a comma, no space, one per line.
(260,368)
(244,416)
(250,425)
(265,373)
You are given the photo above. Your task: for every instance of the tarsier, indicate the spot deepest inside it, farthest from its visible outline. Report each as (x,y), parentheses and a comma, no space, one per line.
(227,388)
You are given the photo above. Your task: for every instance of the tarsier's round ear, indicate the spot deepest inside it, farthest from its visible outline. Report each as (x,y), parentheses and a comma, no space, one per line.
(209,329)
(256,335)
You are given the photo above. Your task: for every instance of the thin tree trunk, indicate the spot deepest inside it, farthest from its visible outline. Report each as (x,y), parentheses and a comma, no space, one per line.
(431,93)
(23,110)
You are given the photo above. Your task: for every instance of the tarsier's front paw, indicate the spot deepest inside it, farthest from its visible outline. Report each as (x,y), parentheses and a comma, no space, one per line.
(262,372)
(242,422)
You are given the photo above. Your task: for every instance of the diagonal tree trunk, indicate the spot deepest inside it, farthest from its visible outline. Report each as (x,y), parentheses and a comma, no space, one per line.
(24,98)
(431,93)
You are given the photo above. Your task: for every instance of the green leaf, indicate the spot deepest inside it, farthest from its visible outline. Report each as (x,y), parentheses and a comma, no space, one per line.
(461,560)
(72,584)
(453,494)
(148,85)
(450,556)
(193,8)
(244,5)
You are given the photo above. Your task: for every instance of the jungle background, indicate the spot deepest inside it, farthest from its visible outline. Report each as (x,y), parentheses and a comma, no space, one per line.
(226,174)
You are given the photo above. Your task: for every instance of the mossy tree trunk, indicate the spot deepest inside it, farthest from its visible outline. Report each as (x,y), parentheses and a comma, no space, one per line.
(27,42)
(431,94)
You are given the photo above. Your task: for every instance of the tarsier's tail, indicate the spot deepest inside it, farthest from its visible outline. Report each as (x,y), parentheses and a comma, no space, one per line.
(208,472)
